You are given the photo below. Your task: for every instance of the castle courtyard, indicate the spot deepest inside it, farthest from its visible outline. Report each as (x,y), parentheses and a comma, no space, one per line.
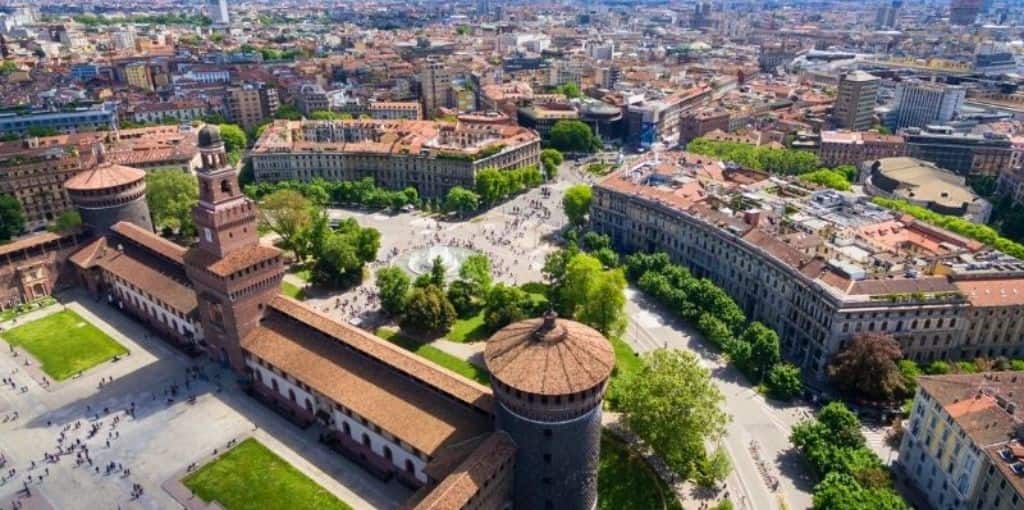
(155,447)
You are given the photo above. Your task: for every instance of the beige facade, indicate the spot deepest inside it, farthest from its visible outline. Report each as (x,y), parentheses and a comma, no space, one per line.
(431,157)
(813,297)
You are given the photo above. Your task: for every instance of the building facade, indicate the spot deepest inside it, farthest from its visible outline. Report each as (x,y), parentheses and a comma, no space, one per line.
(961,446)
(815,292)
(855,103)
(248,105)
(92,118)
(920,104)
(429,156)
(435,84)
(395,110)
(853,148)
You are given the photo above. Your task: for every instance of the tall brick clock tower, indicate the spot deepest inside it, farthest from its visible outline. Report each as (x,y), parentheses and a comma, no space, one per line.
(233,274)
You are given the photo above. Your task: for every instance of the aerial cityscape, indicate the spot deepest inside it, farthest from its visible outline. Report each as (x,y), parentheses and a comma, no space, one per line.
(541,255)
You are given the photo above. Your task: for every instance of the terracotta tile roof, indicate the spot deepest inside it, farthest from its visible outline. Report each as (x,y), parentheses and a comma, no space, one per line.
(468,479)
(231,262)
(902,285)
(401,360)
(1002,292)
(150,241)
(103,177)
(974,402)
(403,407)
(566,358)
(29,241)
(140,272)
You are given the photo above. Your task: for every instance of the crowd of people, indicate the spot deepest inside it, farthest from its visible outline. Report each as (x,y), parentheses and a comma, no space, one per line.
(517,256)
(78,443)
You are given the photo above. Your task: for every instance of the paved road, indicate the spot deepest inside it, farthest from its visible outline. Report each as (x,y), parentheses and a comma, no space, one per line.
(753,418)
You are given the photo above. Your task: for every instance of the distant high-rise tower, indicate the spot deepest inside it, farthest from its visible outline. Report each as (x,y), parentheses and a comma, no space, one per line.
(233,274)
(435,82)
(855,103)
(219,12)
(964,12)
(549,376)
(886,15)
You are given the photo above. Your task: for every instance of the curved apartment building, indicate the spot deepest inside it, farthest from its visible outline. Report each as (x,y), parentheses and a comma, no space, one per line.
(818,267)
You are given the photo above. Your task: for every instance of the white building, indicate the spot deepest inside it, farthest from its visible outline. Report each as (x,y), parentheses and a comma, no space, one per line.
(919,104)
(219,12)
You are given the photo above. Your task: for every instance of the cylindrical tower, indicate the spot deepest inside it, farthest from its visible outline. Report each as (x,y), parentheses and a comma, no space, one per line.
(549,377)
(108,193)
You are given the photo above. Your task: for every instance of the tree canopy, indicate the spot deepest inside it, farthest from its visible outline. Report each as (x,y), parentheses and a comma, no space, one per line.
(868,367)
(67,221)
(780,161)
(672,405)
(288,213)
(428,310)
(12,217)
(576,203)
(573,136)
(171,195)
(551,159)
(461,200)
(393,285)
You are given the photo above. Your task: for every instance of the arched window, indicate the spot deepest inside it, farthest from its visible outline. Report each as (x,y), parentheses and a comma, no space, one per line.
(273,382)
(309,405)
(366,440)
(387,453)
(225,186)
(409,467)
(291,394)
(345,428)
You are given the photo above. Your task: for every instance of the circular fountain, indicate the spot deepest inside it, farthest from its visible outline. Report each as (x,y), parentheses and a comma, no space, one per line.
(420,261)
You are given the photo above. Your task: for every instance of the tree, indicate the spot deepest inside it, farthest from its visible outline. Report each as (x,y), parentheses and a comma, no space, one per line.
(171,195)
(764,350)
(842,425)
(713,469)
(550,160)
(673,407)
(570,90)
(476,270)
(393,287)
(323,115)
(580,274)
(428,310)
(462,295)
(490,185)
(604,308)
(461,200)
(867,367)
(68,221)
(840,491)
(288,213)
(340,255)
(234,138)
(784,381)
(12,217)
(505,305)
(573,136)
(937,367)
(576,203)
(438,272)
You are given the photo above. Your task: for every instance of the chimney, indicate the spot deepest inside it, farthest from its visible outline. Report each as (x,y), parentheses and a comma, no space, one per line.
(752,217)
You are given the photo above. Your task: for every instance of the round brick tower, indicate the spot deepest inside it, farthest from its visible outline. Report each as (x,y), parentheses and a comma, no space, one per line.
(109,193)
(549,377)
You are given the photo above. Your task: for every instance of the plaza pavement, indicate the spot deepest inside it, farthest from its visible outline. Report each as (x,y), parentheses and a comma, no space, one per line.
(163,438)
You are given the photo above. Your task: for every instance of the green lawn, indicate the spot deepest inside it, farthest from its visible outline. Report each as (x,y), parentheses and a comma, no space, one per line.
(291,290)
(249,476)
(64,343)
(436,355)
(625,361)
(470,329)
(626,482)
(302,271)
